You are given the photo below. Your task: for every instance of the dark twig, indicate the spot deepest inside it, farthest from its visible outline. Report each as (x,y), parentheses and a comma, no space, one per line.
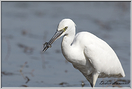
(26,78)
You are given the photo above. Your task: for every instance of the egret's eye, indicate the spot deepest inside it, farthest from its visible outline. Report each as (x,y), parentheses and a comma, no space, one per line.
(64,29)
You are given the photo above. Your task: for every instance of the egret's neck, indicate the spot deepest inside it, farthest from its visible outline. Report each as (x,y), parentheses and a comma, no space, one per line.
(67,43)
(68,38)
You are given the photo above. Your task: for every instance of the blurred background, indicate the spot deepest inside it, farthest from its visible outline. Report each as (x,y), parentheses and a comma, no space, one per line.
(26,26)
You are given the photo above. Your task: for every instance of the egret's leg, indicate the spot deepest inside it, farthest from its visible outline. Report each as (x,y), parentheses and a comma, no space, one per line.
(95,76)
(91,85)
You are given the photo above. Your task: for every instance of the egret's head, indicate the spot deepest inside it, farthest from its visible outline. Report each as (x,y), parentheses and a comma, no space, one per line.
(65,27)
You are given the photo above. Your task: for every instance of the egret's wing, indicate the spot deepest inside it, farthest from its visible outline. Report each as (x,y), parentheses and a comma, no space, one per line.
(99,54)
(104,61)
(94,55)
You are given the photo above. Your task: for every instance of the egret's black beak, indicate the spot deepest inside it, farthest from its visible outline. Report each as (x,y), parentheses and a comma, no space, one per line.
(46,45)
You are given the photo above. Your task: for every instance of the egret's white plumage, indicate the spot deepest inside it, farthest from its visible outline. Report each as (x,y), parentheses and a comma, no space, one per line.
(93,57)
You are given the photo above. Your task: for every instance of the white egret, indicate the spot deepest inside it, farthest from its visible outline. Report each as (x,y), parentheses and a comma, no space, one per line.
(92,56)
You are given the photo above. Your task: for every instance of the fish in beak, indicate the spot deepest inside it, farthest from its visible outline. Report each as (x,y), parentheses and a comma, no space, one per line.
(47,45)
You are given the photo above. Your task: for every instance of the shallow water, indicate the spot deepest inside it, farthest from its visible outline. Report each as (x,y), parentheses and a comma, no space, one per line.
(27,25)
